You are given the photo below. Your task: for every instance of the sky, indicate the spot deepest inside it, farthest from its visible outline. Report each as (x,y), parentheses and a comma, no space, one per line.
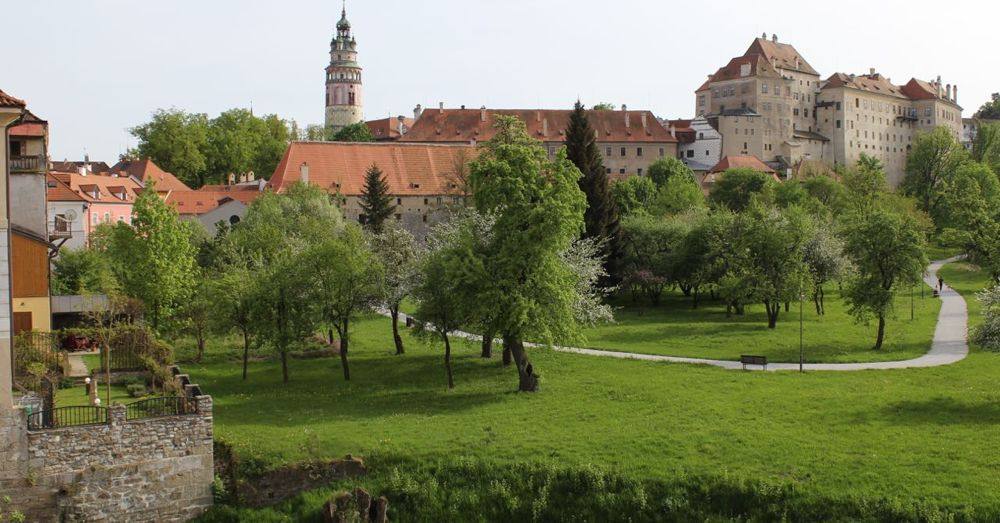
(94,68)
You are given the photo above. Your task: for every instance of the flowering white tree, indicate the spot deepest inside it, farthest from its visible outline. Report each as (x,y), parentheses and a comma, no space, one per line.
(988,334)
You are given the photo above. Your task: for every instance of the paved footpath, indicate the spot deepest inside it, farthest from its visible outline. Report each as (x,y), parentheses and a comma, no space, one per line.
(949,344)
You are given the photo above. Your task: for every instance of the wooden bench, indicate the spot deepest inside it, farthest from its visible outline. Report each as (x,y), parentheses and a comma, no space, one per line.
(753,360)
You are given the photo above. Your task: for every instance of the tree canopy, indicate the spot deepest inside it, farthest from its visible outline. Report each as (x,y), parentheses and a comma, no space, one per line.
(734,189)
(934,157)
(376,203)
(991,109)
(355,132)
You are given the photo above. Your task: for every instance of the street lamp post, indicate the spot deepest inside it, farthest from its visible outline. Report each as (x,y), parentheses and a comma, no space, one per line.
(802,300)
(911,302)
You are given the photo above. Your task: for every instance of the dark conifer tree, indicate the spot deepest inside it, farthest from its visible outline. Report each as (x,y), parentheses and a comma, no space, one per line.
(601,219)
(376,203)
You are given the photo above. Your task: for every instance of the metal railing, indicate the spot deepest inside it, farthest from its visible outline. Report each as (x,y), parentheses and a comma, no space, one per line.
(60,417)
(27,164)
(60,227)
(160,407)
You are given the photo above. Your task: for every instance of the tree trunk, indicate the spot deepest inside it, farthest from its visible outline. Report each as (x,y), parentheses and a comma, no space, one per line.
(246,352)
(506,356)
(447,360)
(881,332)
(201,347)
(344,341)
(284,365)
(694,302)
(787,305)
(686,289)
(729,310)
(330,335)
(526,378)
(772,308)
(822,301)
(487,351)
(394,312)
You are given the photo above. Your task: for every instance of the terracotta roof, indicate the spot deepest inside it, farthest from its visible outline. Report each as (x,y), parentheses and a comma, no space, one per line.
(784,55)
(201,202)
(146,170)
(682,130)
(28,130)
(67,166)
(758,66)
(873,83)
(388,128)
(102,184)
(410,169)
(58,191)
(547,125)
(921,90)
(749,161)
(7,100)
(236,187)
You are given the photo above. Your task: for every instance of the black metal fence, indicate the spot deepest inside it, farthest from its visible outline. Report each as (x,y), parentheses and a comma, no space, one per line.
(159,407)
(36,355)
(60,417)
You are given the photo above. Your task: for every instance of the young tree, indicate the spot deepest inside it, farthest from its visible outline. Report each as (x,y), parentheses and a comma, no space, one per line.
(988,334)
(197,312)
(356,132)
(235,294)
(539,212)
(653,248)
(601,219)
(824,255)
(986,145)
(376,204)
(398,251)
(153,258)
(678,195)
(82,271)
(734,189)
(666,168)
(774,242)
(633,195)
(345,280)
(934,158)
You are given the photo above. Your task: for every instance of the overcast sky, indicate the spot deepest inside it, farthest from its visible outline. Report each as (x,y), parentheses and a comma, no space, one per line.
(93,68)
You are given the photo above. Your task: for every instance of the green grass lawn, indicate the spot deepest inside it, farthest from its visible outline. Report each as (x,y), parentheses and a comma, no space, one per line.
(676,329)
(77,396)
(916,434)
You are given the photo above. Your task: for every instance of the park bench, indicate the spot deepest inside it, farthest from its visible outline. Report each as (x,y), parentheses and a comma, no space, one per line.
(753,360)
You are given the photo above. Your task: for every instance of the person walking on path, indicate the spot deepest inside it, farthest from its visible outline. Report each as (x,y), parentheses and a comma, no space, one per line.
(940,284)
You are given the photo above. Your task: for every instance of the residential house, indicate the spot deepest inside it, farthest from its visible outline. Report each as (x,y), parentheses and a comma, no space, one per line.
(628,140)
(425,180)
(67,215)
(109,197)
(11,110)
(145,172)
(209,207)
(389,129)
(699,145)
(735,162)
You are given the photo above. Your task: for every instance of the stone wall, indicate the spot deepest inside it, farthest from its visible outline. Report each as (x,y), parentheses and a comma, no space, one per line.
(154,469)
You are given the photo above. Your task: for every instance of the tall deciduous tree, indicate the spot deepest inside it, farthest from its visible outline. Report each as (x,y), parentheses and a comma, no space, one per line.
(667,167)
(934,158)
(346,280)
(177,141)
(376,203)
(971,203)
(153,258)
(774,240)
(986,145)
(679,194)
(398,251)
(734,189)
(991,109)
(634,195)
(240,142)
(824,255)
(601,219)
(539,212)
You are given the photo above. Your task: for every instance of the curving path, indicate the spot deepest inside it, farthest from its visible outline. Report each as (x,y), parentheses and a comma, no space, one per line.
(948,346)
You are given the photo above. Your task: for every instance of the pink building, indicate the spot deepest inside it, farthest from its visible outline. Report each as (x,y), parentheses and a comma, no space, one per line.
(108,197)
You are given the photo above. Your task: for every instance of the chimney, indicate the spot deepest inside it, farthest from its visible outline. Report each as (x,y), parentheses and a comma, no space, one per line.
(243,178)
(954,94)
(948,92)
(417,111)
(774,38)
(871,71)
(232,178)
(644,125)
(764,35)
(538,116)
(673,131)
(400,125)
(938,85)
(482,114)
(251,176)
(441,107)
(628,122)
(304,173)
(82,170)
(545,127)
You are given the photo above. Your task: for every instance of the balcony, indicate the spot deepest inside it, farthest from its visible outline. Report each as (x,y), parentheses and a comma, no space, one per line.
(60,228)
(910,116)
(27,165)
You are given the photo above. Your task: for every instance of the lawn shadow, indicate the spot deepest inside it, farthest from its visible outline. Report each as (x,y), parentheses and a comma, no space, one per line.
(942,411)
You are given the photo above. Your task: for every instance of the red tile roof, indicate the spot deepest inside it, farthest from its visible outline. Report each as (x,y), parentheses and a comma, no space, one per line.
(7,100)
(388,128)
(201,202)
(733,162)
(764,58)
(873,83)
(410,169)
(682,130)
(920,90)
(85,186)
(58,191)
(28,130)
(547,125)
(784,55)
(146,170)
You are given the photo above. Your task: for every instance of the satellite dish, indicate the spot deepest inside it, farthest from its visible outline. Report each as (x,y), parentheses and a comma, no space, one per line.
(70,215)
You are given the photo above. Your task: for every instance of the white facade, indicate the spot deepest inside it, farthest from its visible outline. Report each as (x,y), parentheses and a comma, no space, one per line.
(706,149)
(77,226)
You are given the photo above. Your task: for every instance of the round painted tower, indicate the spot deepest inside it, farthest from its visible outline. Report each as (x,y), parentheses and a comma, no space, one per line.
(343,79)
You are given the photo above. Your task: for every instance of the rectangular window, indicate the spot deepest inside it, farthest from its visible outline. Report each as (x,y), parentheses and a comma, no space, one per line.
(639,171)
(399,201)
(425,218)
(608,169)
(107,217)
(621,171)
(638,151)
(93,219)
(607,152)
(838,124)
(662,151)
(795,112)
(690,153)
(763,88)
(623,151)
(425,201)
(440,200)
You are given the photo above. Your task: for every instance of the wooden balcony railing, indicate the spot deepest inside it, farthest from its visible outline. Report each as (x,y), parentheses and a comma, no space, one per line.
(27,164)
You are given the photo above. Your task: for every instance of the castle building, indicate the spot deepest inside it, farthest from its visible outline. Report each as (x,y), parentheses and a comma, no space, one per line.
(772,104)
(344,105)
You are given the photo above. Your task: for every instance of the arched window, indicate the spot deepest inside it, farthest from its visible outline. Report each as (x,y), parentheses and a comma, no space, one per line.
(233,220)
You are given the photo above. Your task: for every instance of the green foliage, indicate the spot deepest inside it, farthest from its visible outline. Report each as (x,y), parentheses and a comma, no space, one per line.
(634,195)
(970,215)
(932,161)
(991,109)
(735,188)
(678,195)
(604,106)
(200,150)
(828,192)
(376,203)
(399,252)
(153,259)
(356,132)
(986,145)
(654,251)
(82,271)
(667,167)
